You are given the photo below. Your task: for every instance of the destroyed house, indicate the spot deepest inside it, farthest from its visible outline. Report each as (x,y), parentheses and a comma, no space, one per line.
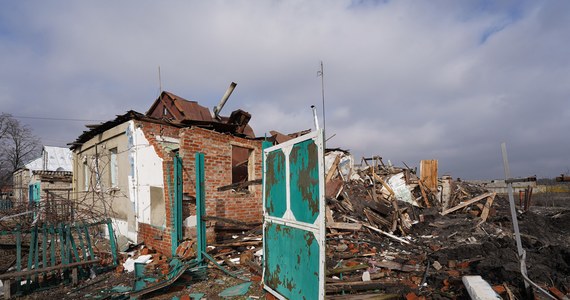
(131,168)
(49,175)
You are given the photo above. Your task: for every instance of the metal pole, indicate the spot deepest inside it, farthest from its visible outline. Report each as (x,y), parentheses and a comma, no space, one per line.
(323,94)
(520,250)
(200,206)
(112,242)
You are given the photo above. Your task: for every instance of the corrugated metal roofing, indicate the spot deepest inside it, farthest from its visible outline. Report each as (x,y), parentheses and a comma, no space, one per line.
(52,159)
(191,109)
(36,164)
(57,159)
(179,108)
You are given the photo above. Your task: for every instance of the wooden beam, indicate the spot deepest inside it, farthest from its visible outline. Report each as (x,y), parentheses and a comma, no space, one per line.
(328,214)
(380,296)
(392,265)
(486,208)
(238,185)
(379,231)
(230,221)
(333,168)
(424,195)
(356,286)
(347,269)
(344,226)
(387,234)
(239,244)
(467,203)
(384,184)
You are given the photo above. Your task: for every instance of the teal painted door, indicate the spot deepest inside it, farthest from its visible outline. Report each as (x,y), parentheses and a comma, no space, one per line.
(34,192)
(176,231)
(293,218)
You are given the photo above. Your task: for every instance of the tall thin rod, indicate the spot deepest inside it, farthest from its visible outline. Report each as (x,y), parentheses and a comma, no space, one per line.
(159,81)
(515,221)
(322,72)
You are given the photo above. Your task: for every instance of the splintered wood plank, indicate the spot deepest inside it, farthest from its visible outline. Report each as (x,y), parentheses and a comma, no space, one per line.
(468,202)
(344,226)
(333,168)
(428,173)
(485,212)
(424,195)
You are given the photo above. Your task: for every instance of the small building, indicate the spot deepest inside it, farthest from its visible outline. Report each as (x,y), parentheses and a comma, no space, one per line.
(48,174)
(499,186)
(126,168)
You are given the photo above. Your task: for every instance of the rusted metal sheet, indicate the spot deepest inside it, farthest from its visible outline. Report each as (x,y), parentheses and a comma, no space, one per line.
(294,218)
(173,106)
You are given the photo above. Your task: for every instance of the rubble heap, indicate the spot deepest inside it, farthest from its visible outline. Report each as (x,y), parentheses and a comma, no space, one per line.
(389,232)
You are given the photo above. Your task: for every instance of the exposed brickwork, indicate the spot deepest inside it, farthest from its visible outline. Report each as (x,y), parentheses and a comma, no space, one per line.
(217,149)
(154,237)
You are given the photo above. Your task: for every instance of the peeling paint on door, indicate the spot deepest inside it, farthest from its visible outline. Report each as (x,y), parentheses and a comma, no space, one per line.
(294,228)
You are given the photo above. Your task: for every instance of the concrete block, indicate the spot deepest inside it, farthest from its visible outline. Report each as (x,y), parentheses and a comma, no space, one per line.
(479,289)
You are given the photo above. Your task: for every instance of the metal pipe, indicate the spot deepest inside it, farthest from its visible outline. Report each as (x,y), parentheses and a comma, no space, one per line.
(315,118)
(520,250)
(527,279)
(224,99)
(514,219)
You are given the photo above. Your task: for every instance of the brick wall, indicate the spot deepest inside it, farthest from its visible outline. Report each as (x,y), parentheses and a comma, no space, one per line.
(217,149)
(154,237)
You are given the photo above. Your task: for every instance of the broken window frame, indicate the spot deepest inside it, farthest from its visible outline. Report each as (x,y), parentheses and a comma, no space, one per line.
(86,176)
(113,167)
(249,163)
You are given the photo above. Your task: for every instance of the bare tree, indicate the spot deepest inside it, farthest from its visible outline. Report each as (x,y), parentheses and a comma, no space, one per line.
(17,146)
(4,117)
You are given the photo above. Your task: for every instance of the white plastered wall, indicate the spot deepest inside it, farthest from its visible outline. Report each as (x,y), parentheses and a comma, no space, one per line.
(146,171)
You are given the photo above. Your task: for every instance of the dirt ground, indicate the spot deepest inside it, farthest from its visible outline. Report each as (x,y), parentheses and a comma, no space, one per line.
(490,249)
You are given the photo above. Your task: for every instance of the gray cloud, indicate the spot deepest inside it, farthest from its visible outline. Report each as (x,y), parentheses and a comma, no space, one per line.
(405,80)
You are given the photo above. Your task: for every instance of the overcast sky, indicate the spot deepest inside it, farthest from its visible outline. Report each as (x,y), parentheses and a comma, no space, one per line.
(406,80)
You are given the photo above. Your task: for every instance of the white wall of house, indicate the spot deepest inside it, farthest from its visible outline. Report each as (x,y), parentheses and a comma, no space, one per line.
(146,173)
(131,176)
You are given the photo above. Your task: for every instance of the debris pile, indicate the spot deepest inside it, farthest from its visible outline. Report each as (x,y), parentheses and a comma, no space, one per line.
(391,198)
(394,232)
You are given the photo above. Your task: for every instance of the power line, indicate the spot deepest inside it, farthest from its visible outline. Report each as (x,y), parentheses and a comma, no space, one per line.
(56,119)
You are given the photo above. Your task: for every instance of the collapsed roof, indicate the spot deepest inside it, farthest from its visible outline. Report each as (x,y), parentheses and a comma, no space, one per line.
(173,110)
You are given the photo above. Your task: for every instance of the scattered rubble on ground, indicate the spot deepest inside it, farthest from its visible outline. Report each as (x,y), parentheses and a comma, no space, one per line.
(390,234)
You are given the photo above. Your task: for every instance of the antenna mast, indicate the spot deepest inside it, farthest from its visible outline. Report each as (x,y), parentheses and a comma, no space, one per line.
(159,81)
(322,74)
